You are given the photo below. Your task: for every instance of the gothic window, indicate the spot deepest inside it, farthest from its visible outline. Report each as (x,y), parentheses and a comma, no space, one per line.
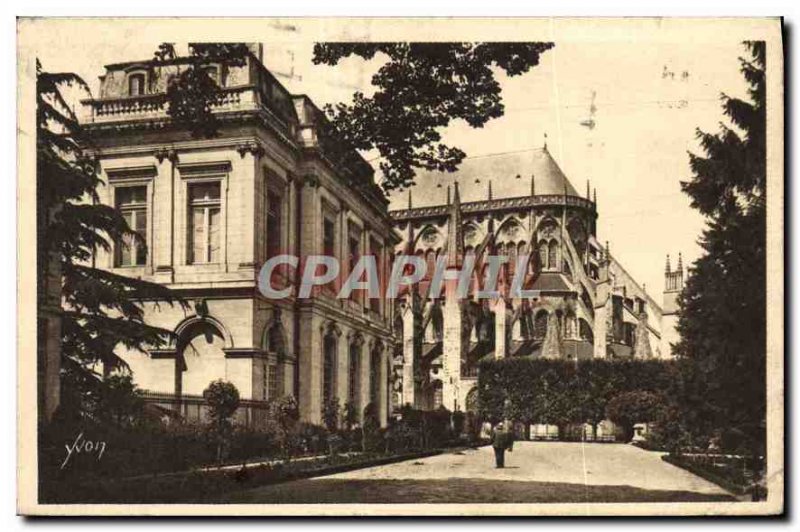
(511,251)
(540,325)
(521,251)
(586,331)
(544,263)
(430,260)
(131,250)
(552,255)
(204,223)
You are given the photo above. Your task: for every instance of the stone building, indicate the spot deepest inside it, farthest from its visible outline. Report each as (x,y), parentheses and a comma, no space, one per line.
(211,211)
(514,204)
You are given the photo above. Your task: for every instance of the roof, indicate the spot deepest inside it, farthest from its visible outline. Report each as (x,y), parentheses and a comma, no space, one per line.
(502,169)
(551,282)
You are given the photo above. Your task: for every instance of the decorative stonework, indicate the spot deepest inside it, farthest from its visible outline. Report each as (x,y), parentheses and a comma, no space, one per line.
(252,147)
(162,154)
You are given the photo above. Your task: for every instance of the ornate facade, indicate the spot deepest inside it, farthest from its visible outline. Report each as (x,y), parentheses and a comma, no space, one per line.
(587,305)
(210,212)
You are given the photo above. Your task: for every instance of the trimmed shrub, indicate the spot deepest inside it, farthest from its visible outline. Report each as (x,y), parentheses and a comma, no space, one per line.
(561,392)
(628,408)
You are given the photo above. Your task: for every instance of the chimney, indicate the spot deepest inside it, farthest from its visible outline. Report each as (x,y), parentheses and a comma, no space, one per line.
(257,49)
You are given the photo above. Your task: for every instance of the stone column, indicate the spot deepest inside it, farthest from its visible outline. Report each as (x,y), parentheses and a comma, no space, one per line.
(383,391)
(451,347)
(365,380)
(500,315)
(162,238)
(242,202)
(310,369)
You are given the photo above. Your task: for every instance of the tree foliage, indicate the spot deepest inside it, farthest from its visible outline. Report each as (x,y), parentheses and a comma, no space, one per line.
(560,392)
(419,90)
(101,310)
(722,319)
(637,406)
(193,92)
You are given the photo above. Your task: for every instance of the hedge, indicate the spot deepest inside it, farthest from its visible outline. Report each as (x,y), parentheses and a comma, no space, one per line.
(560,392)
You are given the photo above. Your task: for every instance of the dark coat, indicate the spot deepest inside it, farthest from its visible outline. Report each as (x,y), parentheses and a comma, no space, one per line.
(503,439)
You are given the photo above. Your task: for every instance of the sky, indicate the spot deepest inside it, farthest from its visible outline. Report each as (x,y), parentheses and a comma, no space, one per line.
(649,99)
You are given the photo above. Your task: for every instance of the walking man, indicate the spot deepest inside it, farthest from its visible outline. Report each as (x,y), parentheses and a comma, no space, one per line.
(502,439)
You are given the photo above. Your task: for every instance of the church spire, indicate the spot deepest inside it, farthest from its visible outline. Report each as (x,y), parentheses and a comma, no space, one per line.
(680,262)
(455,242)
(490,190)
(668,267)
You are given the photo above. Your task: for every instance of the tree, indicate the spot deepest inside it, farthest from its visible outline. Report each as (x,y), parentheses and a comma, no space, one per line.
(420,88)
(722,318)
(629,408)
(100,309)
(193,92)
(223,400)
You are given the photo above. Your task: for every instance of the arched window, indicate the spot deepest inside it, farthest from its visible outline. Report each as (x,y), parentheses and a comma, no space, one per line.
(552,255)
(437,394)
(586,331)
(521,251)
(544,264)
(201,350)
(430,259)
(511,250)
(375,377)
(540,325)
(136,84)
(329,368)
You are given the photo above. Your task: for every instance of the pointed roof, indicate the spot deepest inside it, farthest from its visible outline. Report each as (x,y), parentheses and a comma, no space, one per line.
(455,240)
(510,173)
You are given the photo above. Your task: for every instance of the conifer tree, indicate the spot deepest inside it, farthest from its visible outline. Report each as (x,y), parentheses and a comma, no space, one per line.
(722,318)
(100,310)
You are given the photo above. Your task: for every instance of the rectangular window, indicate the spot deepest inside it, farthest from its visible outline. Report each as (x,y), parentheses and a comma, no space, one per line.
(329,246)
(354,253)
(132,204)
(376,250)
(274,229)
(136,84)
(204,223)
(270,384)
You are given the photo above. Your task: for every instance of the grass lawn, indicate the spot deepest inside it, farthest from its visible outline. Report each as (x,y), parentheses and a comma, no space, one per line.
(455,491)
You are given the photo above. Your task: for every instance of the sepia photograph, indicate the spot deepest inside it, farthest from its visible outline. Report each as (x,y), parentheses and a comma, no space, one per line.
(400,266)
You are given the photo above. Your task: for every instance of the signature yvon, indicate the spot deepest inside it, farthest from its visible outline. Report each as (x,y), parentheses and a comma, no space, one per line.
(82,445)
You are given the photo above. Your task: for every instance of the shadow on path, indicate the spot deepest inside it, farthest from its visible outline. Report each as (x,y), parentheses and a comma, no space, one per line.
(328,490)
